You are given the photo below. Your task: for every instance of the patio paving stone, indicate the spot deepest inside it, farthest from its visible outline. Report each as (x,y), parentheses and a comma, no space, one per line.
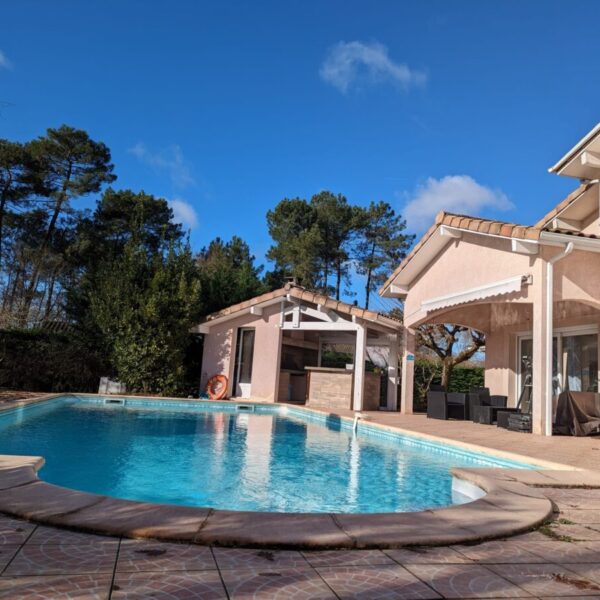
(190,585)
(378,582)
(56,587)
(348,558)
(466,581)
(573,498)
(499,552)
(581,533)
(14,531)
(548,580)
(581,516)
(6,554)
(53,535)
(531,536)
(147,555)
(246,558)
(276,584)
(564,552)
(427,555)
(590,571)
(64,559)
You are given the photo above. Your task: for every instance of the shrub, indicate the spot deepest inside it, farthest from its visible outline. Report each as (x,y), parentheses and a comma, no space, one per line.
(427,372)
(42,361)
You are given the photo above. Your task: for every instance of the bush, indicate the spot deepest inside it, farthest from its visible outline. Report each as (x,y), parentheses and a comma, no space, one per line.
(427,372)
(42,361)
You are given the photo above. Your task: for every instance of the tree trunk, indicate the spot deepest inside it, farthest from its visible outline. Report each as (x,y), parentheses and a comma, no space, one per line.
(368,289)
(447,368)
(50,296)
(37,267)
(2,207)
(338,282)
(369,277)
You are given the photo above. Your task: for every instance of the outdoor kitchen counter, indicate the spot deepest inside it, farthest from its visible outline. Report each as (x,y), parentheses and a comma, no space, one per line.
(332,388)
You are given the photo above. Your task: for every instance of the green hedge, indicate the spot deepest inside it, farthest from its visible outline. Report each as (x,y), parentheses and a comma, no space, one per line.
(462,380)
(42,361)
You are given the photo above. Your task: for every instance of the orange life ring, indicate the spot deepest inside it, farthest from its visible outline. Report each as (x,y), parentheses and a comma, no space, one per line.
(216,388)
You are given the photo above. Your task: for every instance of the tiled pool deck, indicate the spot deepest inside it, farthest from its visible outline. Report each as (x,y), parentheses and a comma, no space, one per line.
(559,560)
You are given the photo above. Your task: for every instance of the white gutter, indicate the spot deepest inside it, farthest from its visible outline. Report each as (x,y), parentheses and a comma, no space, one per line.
(551,238)
(549,332)
(578,147)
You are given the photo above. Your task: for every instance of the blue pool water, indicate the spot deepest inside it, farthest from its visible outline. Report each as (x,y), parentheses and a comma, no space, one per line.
(206,455)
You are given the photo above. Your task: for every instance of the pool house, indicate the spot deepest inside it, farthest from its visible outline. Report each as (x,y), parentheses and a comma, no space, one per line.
(271,349)
(533,290)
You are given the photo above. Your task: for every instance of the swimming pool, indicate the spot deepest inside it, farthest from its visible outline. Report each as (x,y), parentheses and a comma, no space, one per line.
(223,455)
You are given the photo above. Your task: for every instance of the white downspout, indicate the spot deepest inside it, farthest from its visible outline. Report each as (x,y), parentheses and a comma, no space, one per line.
(549,331)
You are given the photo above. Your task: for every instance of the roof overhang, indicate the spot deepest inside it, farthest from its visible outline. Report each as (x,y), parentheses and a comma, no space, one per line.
(305,301)
(255,309)
(583,160)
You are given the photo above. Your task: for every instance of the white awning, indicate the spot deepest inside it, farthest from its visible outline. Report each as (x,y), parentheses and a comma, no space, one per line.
(497,288)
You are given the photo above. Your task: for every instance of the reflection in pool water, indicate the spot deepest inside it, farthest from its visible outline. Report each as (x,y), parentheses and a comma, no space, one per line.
(231,460)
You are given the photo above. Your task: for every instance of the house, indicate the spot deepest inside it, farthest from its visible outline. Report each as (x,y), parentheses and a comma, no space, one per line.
(534,291)
(271,349)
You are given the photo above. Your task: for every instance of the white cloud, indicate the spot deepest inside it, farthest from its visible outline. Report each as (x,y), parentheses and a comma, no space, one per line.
(354,63)
(4,62)
(169,159)
(454,193)
(184,213)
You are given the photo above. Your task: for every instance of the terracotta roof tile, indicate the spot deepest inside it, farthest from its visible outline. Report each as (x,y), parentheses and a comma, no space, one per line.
(572,197)
(499,228)
(303,294)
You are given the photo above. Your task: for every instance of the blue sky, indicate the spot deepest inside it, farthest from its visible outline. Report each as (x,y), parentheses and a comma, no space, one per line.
(224,108)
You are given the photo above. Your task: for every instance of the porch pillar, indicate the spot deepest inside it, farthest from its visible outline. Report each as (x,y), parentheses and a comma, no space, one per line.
(542,354)
(408,370)
(360,354)
(392,383)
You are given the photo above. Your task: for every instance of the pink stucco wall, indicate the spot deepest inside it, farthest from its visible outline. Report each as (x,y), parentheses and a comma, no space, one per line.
(219,352)
(470,262)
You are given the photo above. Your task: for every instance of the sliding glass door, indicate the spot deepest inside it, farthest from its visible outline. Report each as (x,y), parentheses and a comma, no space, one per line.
(579,369)
(574,362)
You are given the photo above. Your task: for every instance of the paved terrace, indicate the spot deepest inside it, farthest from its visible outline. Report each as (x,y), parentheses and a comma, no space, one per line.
(559,561)
(581,453)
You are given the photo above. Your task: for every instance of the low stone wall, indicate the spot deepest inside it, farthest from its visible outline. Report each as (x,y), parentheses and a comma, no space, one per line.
(330,388)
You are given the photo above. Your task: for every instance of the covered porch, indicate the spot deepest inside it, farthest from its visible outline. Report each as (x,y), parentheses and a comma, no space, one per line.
(534,293)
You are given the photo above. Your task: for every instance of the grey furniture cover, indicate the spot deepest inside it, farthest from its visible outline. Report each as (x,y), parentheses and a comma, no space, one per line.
(577,413)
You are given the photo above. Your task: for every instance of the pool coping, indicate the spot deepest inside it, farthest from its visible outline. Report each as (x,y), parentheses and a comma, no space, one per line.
(510,506)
